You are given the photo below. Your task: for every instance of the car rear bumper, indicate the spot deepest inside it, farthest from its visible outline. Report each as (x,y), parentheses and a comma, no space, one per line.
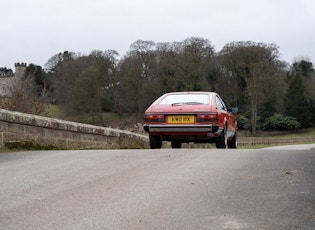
(181,128)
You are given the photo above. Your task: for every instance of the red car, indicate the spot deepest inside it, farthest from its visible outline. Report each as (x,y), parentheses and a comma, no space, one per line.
(199,117)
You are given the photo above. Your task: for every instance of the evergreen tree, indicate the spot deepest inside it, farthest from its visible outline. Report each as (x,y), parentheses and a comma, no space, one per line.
(296,102)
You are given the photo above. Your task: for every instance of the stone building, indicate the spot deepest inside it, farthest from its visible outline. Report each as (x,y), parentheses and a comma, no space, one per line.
(8,78)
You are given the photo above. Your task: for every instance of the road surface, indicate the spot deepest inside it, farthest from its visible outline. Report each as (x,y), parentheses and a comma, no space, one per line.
(158,189)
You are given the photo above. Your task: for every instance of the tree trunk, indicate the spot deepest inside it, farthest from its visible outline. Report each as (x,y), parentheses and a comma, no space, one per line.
(254,115)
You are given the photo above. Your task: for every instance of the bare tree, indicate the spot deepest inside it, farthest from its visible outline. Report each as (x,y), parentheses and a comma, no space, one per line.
(24,98)
(253,66)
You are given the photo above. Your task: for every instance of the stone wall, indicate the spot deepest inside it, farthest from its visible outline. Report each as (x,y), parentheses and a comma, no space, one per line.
(18,127)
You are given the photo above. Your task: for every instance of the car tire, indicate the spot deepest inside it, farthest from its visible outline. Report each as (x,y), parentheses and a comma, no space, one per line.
(232,144)
(155,142)
(176,144)
(221,140)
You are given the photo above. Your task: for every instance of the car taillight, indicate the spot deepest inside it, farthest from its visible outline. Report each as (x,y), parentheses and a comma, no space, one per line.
(212,117)
(155,118)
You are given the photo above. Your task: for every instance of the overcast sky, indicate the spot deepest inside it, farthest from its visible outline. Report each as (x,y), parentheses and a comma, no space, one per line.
(32,31)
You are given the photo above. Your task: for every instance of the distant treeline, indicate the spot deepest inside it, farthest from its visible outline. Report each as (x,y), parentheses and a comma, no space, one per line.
(269,93)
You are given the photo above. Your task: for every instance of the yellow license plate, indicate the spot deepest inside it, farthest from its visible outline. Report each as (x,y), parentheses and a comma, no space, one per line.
(181,119)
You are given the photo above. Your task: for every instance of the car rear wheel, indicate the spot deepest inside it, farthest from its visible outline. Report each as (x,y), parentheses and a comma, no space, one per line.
(232,144)
(176,144)
(155,142)
(221,140)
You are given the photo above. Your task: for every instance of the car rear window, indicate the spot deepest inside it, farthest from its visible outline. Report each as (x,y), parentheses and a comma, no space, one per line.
(185,99)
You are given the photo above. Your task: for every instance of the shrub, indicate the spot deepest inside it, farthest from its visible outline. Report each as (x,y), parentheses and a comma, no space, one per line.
(279,121)
(242,122)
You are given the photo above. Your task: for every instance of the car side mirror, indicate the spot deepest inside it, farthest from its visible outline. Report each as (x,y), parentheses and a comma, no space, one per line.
(234,110)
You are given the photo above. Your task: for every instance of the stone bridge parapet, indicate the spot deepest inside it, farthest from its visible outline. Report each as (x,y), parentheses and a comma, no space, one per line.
(16,127)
